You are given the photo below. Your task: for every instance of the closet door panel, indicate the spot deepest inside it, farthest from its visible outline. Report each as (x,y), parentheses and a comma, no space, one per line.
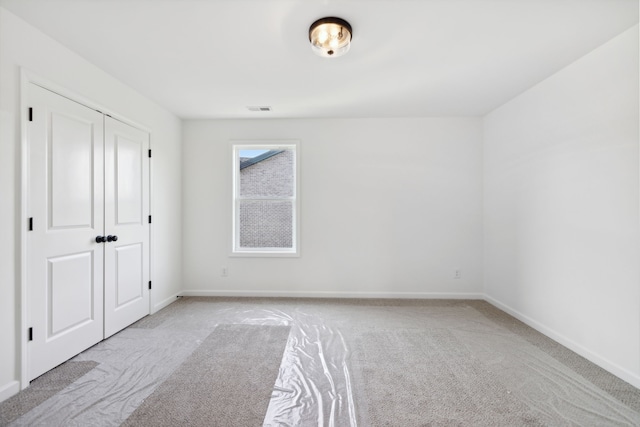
(65,202)
(126,217)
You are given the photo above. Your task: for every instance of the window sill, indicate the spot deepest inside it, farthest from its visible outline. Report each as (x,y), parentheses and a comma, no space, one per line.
(264,254)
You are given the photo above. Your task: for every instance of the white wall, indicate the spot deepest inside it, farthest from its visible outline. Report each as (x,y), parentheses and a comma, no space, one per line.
(23,46)
(561,200)
(390,207)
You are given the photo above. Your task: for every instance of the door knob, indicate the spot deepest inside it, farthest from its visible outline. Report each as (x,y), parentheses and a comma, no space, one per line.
(112,238)
(101,239)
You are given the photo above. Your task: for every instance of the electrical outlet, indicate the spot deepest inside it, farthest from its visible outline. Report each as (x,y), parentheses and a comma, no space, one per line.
(224,272)
(457,274)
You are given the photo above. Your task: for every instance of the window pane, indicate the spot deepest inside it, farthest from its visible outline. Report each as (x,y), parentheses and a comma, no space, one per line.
(266,224)
(266,173)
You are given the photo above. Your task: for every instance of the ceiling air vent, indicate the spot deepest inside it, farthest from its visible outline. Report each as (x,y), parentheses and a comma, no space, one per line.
(258,108)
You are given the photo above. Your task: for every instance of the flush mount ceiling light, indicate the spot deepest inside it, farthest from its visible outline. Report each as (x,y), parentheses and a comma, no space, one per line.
(330,37)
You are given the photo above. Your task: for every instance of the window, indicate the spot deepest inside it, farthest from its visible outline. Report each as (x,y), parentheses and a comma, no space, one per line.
(265,199)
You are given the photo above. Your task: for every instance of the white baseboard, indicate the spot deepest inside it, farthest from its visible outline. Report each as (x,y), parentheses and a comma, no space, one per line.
(604,363)
(8,390)
(330,294)
(162,304)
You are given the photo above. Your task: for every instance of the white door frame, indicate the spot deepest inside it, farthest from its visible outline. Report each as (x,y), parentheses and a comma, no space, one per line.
(27,77)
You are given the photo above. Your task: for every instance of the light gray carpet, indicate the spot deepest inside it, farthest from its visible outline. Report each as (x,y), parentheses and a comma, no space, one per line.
(415,378)
(449,365)
(620,390)
(227,381)
(42,388)
(345,363)
(152,322)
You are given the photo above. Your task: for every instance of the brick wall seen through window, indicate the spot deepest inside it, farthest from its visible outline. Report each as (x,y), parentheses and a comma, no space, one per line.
(265,199)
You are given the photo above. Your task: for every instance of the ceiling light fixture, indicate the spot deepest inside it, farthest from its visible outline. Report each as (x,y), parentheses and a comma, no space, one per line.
(330,37)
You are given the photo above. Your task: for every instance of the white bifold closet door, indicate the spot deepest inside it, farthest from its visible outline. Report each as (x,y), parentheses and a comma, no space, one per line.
(126,209)
(88,181)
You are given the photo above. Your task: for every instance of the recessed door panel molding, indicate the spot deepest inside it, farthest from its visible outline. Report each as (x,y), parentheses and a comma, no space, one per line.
(70,292)
(65,306)
(88,178)
(129,179)
(70,171)
(128,274)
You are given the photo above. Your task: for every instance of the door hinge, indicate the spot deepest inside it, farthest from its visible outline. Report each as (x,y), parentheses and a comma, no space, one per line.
(30,114)
(149,153)
(149,219)
(149,284)
(30,223)
(30,334)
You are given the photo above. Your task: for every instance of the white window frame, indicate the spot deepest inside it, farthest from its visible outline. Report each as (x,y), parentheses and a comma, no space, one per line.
(238,251)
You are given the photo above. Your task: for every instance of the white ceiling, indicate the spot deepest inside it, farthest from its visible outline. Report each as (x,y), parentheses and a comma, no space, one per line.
(213,58)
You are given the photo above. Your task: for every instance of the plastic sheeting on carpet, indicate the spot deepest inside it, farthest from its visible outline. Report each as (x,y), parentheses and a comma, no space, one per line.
(350,363)
(312,387)
(227,381)
(41,389)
